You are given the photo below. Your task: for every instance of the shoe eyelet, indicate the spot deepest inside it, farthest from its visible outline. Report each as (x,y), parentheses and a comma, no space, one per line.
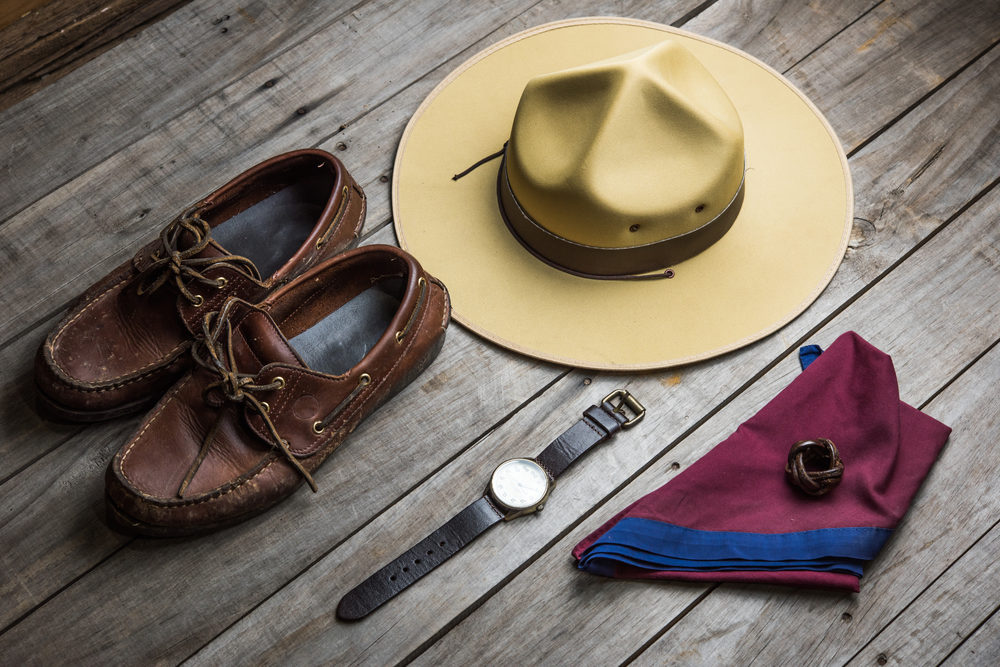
(221,282)
(198,300)
(318,427)
(266,406)
(280,381)
(155,256)
(364,379)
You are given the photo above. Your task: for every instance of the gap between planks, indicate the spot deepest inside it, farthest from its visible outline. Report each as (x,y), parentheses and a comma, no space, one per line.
(956,239)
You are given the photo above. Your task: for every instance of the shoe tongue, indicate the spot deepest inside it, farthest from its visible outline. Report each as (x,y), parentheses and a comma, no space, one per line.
(257,341)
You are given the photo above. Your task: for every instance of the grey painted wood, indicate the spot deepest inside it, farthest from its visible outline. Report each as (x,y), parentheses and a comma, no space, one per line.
(982,648)
(307,622)
(52,519)
(26,436)
(45,44)
(954,606)
(334,76)
(276,580)
(71,571)
(116,99)
(909,32)
(610,620)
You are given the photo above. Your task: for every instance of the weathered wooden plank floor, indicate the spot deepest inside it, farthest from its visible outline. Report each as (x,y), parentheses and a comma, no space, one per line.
(97,161)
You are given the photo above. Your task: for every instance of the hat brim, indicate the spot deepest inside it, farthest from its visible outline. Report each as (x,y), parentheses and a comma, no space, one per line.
(782,251)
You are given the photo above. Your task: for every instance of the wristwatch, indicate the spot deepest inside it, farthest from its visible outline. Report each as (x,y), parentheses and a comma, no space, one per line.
(517,487)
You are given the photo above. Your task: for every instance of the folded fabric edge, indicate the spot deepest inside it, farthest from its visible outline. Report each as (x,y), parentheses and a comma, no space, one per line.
(834,581)
(656,545)
(616,554)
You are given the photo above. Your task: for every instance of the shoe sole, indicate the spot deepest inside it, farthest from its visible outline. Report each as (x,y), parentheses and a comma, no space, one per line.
(122,522)
(56,412)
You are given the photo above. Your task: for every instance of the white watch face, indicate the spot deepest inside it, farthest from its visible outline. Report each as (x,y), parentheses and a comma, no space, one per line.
(519,484)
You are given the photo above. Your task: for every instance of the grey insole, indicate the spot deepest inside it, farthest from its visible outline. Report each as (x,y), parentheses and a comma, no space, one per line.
(273,229)
(341,339)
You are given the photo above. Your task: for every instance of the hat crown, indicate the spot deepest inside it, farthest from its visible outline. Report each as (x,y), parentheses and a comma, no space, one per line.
(627,151)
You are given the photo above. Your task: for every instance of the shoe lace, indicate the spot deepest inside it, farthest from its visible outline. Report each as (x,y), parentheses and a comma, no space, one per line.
(170,261)
(214,351)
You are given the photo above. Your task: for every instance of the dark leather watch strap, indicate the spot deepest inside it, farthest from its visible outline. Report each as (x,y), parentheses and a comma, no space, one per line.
(597,425)
(426,555)
(599,422)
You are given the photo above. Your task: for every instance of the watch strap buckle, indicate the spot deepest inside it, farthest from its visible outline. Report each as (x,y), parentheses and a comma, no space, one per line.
(617,402)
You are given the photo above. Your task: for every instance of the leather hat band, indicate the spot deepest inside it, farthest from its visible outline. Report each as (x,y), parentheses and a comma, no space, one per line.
(608,263)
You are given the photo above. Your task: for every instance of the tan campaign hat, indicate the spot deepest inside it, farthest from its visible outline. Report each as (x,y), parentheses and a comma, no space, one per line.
(660,198)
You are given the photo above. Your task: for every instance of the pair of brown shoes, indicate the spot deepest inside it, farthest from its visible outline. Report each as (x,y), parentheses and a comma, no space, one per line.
(264,376)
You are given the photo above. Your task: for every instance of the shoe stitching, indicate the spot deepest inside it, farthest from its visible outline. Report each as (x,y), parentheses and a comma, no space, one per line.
(55,339)
(97,388)
(107,385)
(338,218)
(212,495)
(135,440)
(363,399)
(154,500)
(399,360)
(302,305)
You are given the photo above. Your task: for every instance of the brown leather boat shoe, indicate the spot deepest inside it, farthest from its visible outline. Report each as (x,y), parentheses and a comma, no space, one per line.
(126,339)
(276,388)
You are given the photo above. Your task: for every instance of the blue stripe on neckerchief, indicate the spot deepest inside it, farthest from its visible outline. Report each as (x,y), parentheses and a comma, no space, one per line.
(655,545)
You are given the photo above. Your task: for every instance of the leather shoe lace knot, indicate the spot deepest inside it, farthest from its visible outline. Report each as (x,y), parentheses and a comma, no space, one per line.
(182,265)
(214,351)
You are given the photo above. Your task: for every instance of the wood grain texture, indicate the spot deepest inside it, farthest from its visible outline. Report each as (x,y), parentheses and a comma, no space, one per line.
(304,621)
(920,280)
(121,96)
(58,37)
(982,648)
(52,524)
(333,77)
(27,442)
(952,607)
(27,436)
(900,43)
(12,10)
(740,624)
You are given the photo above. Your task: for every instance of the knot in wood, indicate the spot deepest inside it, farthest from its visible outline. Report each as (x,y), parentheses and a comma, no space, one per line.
(814,466)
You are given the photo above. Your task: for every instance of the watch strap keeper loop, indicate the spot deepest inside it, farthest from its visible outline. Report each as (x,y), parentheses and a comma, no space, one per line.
(597,425)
